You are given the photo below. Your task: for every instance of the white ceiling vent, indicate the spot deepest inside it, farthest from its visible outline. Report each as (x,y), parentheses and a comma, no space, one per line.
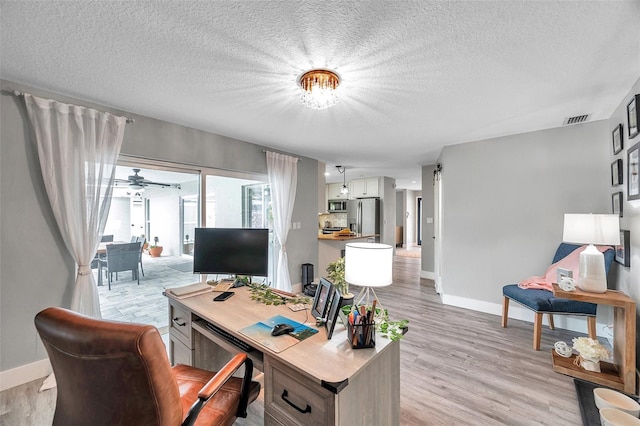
(576,119)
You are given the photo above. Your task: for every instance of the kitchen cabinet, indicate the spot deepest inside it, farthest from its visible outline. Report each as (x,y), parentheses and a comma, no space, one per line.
(334,192)
(361,188)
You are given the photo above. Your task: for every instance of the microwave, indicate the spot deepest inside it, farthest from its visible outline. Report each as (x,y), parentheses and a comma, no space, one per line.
(337,206)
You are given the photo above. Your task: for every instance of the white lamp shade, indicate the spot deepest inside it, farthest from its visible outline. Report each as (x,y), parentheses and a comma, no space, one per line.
(599,229)
(368,264)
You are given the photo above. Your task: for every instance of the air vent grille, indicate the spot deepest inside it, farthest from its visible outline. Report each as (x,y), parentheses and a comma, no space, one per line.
(576,119)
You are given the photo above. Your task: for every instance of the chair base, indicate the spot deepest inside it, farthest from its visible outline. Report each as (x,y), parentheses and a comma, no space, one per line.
(537,322)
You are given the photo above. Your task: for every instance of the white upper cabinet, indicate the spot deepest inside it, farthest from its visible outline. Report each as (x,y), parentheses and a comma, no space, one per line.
(334,192)
(361,188)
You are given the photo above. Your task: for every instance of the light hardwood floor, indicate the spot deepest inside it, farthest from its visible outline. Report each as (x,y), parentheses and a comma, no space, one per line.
(458,367)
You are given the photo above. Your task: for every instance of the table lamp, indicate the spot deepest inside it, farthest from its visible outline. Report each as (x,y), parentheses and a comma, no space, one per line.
(368,265)
(600,229)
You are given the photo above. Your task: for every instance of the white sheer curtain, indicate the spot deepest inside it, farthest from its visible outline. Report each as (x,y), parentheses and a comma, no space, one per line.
(78,148)
(283,179)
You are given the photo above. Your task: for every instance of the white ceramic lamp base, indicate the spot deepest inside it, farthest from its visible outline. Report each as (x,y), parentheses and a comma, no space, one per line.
(593,276)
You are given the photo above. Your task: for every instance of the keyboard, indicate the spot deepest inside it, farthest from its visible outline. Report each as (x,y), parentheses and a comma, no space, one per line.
(228,337)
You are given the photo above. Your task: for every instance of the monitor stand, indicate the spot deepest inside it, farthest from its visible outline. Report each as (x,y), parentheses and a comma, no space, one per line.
(237,283)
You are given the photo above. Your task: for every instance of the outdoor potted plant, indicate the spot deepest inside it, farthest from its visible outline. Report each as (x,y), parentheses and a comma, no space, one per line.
(335,273)
(155,250)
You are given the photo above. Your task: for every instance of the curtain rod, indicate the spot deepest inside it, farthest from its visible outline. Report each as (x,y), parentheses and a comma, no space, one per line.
(265,151)
(18,93)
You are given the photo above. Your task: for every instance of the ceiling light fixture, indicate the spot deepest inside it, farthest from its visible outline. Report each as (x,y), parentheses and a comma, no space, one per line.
(319,88)
(342,171)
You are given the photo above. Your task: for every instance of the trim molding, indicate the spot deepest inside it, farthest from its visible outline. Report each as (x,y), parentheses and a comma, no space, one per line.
(428,275)
(24,374)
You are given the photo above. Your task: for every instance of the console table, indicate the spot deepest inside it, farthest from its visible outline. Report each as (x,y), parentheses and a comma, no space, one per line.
(316,381)
(620,375)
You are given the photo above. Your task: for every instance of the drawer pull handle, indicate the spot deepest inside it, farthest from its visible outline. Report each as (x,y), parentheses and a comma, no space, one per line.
(178,323)
(284,397)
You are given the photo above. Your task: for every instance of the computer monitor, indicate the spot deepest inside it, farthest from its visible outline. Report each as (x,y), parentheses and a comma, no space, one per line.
(237,251)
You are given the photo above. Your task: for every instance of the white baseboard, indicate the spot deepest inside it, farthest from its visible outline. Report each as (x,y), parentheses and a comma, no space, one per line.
(567,322)
(428,275)
(24,374)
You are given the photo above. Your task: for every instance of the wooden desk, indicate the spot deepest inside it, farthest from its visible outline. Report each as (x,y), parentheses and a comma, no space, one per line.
(620,375)
(327,381)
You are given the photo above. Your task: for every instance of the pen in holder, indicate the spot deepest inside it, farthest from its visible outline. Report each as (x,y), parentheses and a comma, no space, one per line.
(362,335)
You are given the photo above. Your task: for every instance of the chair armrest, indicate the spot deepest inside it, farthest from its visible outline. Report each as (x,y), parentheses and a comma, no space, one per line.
(217,381)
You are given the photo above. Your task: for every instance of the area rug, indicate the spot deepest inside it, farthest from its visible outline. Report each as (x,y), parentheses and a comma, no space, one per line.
(588,410)
(183,267)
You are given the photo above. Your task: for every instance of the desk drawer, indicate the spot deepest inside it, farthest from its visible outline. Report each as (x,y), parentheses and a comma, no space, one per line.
(178,352)
(293,400)
(180,323)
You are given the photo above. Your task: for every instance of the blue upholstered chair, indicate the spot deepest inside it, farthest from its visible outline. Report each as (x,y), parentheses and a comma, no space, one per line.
(543,302)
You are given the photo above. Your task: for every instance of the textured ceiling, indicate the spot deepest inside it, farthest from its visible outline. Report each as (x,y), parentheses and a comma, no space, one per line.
(417,75)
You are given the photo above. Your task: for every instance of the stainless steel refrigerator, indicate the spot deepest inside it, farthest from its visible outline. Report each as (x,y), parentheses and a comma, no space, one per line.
(363,216)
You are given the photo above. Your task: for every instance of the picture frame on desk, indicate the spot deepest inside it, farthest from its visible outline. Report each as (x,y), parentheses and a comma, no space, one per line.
(332,312)
(616,138)
(623,251)
(322,299)
(633,179)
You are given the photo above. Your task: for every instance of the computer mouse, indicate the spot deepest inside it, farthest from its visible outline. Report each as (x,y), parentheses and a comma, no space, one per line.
(281,329)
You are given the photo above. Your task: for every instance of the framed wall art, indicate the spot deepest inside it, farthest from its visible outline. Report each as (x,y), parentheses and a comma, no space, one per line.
(616,139)
(633,116)
(633,183)
(623,251)
(616,203)
(616,172)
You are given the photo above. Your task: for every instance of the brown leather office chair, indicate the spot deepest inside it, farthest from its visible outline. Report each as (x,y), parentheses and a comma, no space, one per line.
(113,373)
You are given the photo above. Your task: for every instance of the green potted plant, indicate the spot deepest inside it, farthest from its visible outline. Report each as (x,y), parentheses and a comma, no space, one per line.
(155,250)
(335,273)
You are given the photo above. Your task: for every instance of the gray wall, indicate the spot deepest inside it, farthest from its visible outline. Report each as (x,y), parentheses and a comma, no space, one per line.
(428,243)
(388,207)
(504,201)
(627,279)
(35,269)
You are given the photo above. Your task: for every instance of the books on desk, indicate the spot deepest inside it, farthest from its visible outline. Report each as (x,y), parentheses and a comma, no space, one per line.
(261,333)
(189,290)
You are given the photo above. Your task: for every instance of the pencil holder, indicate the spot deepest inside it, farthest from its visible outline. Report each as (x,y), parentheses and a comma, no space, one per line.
(362,335)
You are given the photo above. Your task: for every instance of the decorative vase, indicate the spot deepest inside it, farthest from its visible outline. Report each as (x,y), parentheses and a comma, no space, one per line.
(590,364)
(155,251)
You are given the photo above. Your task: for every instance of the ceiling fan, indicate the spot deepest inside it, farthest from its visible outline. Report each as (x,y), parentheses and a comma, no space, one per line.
(138,183)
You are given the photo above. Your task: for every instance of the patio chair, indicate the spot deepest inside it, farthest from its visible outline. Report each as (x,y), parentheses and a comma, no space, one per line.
(95,262)
(116,373)
(121,257)
(141,240)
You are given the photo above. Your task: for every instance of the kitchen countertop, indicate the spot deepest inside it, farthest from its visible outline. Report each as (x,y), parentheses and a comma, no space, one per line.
(333,237)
